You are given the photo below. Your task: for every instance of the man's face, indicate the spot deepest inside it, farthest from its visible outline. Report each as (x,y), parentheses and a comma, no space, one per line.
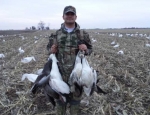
(69,17)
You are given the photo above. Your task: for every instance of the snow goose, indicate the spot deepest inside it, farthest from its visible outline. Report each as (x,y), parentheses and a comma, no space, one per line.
(74,79)
(89,80)
(56,82)
(45,72)
(51,81)
(50,94)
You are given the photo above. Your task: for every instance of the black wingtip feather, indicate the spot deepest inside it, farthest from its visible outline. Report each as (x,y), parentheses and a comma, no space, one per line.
(34,88)
(78,87)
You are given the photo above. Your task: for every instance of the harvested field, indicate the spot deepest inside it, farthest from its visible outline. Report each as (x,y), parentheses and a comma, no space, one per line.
(125,77)
(12,32)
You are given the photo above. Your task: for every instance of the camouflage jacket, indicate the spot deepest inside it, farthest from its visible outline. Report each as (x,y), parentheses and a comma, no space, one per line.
(68,47)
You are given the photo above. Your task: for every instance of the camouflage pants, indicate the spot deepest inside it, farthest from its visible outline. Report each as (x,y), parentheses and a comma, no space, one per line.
(74,106)
(74,101)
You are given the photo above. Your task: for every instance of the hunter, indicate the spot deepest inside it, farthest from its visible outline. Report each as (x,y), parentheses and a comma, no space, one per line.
(65,43)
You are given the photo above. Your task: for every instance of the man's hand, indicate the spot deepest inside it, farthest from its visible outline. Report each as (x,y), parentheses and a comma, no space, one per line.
(82,47)
(53,49)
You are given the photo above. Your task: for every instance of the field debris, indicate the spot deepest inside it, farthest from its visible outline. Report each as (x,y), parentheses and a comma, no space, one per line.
(125,78)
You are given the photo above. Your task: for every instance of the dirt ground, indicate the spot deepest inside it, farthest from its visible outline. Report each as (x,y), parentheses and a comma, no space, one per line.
(125,78)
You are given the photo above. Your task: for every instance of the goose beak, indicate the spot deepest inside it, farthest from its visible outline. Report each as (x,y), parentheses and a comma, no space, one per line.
(81,54)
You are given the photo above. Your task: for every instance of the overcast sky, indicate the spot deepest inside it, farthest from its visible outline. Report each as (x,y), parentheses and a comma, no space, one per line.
(19,14)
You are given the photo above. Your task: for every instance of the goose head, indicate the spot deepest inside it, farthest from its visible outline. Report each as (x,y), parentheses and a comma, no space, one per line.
(81,53)
(53,57)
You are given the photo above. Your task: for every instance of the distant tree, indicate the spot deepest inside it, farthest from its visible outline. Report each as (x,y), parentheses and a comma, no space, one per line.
(26,28)
(47,28)
(33,28)
(41,25)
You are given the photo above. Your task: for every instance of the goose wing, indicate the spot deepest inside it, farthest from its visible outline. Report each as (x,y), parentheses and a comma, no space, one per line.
(41,83)
(95,87)
(47,67)
(61,88)
(51,94)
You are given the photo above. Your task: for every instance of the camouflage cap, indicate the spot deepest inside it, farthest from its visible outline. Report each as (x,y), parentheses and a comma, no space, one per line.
(69,9)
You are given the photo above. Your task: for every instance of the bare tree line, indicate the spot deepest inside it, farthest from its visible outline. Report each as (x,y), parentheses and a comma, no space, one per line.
(40,26)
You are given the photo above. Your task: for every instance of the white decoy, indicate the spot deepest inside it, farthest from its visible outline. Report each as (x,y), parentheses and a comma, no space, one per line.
(117,45)
(120,35)
(2,56)
(113,43)
(22,37)
(3,40)
(120,52)
(30,77)
(75,75)
(147,45)
(21,50)
(93,40)
(35,42)
(28,59)
(35,37)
